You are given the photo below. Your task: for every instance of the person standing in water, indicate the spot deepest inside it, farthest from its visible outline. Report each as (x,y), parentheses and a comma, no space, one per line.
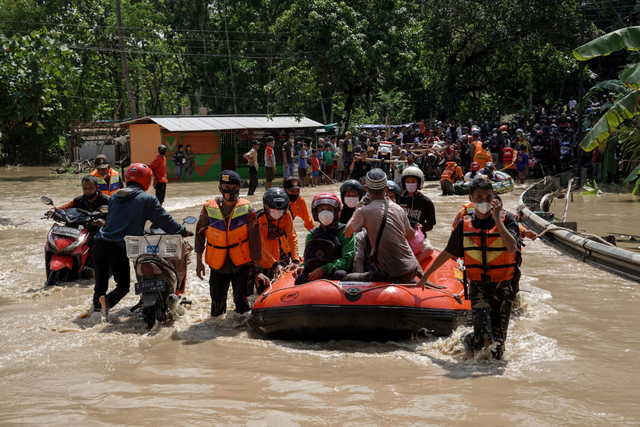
(190,165)
(487,240)
(159,168)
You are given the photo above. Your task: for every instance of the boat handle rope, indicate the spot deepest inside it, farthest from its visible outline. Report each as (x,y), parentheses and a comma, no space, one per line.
(355,291)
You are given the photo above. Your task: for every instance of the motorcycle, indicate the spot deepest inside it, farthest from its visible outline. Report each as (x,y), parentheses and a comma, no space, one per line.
(160,263)
(566,155)
(67,252)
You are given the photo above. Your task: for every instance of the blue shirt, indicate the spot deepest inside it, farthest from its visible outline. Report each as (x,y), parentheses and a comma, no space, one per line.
(129,210)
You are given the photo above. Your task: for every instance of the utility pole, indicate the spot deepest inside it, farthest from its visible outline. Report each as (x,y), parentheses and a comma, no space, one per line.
(125,66)
(580,106)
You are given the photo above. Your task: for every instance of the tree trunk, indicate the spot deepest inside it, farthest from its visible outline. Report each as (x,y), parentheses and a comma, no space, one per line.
(346,114)
(125,66)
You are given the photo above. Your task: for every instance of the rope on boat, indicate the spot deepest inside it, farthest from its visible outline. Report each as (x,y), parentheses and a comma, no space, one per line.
(578,233)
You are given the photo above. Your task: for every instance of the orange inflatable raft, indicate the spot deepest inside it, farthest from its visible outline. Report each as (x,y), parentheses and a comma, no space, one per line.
(327,309)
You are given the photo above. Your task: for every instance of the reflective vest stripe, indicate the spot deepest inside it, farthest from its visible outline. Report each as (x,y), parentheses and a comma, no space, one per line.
(231,239)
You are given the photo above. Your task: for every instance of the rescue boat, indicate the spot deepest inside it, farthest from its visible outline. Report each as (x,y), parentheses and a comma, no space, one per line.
(499,187)
(367,311)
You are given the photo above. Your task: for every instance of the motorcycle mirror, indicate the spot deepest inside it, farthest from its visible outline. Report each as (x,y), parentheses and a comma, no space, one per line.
(104,209)
(190,220)
(46,200)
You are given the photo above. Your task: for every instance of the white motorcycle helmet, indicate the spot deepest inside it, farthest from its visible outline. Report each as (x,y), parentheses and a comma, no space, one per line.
(412,171)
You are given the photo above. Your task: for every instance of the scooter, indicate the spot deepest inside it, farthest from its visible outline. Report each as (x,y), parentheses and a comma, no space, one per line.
(566,155)
(67,253)
(160,263)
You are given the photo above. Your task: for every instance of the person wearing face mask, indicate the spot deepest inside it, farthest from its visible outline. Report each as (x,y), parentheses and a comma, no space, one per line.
(158,167)
(297,204)
(388,232)
(351,191)
(228,229)
(287,156)
(487,240)
(419,208)
(109,181)
(91,200)
(328,253)
(276,232)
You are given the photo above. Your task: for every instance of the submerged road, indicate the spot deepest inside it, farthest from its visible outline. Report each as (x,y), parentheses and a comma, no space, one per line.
(571,355)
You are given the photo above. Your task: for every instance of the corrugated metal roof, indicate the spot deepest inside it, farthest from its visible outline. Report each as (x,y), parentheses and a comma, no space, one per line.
(211,123)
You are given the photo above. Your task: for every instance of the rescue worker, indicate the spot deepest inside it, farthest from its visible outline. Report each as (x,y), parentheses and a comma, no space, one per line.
(451,173)
(159,168)
(276,225)
(351,192)
(129,210)
(487,240)
(489,172)
(482,156)
(328,253)
(418,206)
(509,158)
(109,181)
(297,204)
(228,228)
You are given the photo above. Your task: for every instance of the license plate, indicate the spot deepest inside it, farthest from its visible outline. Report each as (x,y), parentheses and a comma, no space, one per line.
(66,231)
(150,286)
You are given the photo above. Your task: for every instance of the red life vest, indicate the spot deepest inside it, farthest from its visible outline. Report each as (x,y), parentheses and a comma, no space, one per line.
(507,158)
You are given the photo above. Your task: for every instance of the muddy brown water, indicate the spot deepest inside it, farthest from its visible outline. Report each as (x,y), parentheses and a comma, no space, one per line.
(572,355)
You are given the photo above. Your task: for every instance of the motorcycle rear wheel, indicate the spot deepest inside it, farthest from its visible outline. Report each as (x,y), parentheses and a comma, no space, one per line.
(149,315)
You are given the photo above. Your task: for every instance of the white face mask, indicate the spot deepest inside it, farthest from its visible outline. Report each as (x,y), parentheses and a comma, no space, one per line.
(483,208)
(351,201)
(325,217)
(495,135)
(276,213)
(411,187)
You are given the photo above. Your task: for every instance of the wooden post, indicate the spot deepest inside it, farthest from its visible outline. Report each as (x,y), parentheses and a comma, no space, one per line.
(114,119)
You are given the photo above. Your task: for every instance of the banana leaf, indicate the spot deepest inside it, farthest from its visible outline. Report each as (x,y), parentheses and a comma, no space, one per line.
(631,76)
(625,108)
(625,38)
(610,85)
(633,175)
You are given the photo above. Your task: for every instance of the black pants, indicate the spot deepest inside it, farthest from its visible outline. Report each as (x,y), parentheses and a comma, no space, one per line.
(491,308)
(219,287)
(110,255)
(161,191)
(253,180)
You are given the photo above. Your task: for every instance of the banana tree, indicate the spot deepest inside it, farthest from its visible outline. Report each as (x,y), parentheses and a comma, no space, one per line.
(627,105)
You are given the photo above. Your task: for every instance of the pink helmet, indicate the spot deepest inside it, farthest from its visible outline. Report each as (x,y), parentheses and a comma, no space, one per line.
(325,198)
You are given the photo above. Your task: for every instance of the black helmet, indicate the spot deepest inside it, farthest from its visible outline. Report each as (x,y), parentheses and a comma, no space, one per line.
(363,137)
(489,167)
(395,188)
(351,184)
(275,198)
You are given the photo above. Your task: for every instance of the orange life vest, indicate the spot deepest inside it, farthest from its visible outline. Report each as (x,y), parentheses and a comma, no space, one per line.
(232,238)
(449,172)
(108,188)
(485,253)
(508,159)
(481,157)
(467,209)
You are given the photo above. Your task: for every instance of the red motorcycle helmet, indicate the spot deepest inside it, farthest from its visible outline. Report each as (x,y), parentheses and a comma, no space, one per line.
(140,173)
(475,166)
(325,198)
(503,128)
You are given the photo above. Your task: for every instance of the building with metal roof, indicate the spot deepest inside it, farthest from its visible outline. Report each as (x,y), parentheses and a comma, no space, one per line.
(218,141)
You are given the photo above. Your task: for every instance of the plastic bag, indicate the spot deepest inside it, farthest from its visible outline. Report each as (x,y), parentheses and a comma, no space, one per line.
(418,242)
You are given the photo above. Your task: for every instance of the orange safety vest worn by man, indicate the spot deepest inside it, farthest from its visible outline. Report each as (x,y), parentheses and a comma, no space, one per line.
(452,173)
(228,235)
(467,209)
(482,156)
(276,231)
(297,204)
(108,180)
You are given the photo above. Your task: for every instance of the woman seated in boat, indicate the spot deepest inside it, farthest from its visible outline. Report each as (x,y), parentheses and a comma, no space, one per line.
(489,171)
(276,232)
(328,252)
(474,172)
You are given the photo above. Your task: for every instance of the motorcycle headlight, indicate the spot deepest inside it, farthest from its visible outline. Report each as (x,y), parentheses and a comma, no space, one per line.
(72,247)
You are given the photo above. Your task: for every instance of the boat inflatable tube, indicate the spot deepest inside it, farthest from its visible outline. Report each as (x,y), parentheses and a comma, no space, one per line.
(499,187)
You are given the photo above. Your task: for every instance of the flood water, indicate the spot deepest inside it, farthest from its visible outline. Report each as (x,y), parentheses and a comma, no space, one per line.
(571,355)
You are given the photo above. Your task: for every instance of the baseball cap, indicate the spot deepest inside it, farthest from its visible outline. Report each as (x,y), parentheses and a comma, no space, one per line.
(102,161)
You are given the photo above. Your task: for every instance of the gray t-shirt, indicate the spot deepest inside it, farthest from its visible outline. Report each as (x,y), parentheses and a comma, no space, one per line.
(394,254)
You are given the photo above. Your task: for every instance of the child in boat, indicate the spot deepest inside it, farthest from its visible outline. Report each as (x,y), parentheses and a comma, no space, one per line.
(388,232)
(418,207)
(487,240)
(328,252)
(275,223)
